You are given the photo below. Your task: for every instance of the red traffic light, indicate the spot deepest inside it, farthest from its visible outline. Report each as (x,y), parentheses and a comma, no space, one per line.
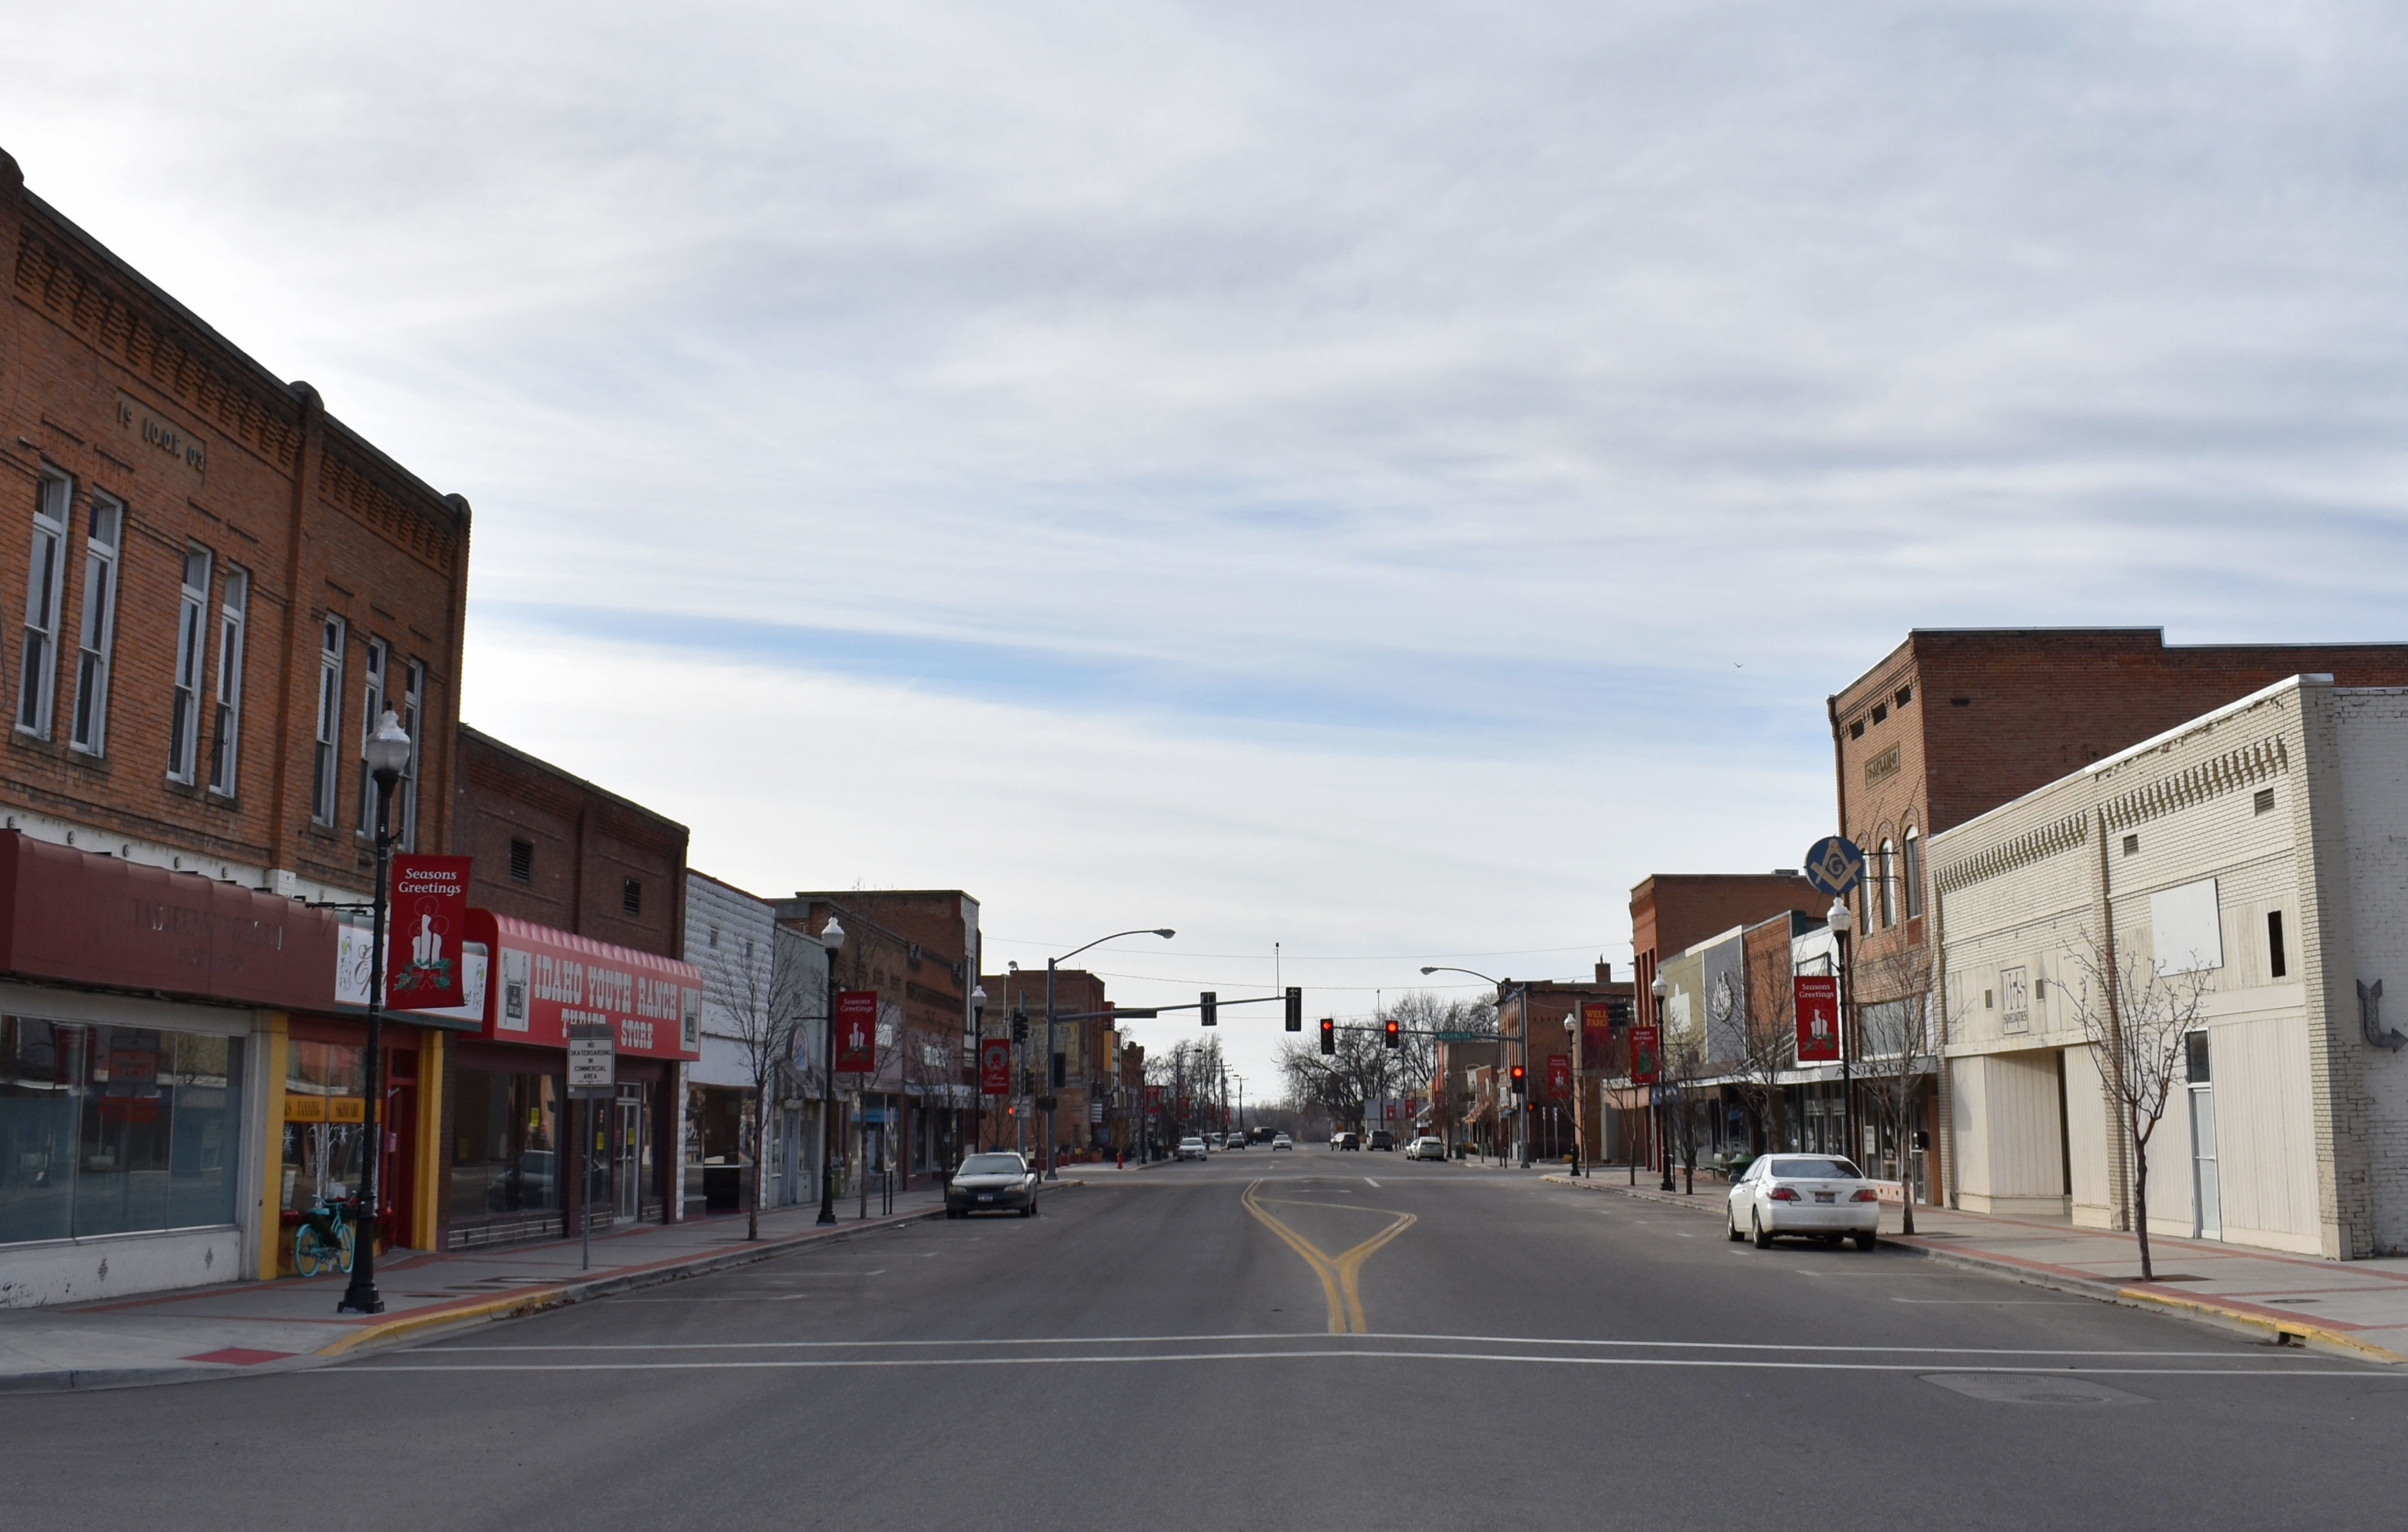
(1329,1035)
(1392,1037)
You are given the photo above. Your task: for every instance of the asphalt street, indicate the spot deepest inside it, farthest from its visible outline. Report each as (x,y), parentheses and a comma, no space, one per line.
(1265,1341)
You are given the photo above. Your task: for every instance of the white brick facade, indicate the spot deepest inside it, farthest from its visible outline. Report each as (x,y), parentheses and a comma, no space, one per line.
(2294,803)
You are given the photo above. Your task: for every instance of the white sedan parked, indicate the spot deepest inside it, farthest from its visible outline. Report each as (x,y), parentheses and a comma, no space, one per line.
(1813,1195)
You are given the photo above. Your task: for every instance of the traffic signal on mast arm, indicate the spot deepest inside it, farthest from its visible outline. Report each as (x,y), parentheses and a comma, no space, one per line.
(1296,1009)
(1019,1025)
(1328,1036)
(1521,1084)
(1210,1007)
(1388,1033)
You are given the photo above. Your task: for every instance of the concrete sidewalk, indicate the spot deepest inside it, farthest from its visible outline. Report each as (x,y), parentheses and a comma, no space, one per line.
(291,1323)
(2358,1307)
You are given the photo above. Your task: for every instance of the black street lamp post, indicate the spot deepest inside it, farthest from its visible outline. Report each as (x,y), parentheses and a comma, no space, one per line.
(832,939)
(1663,1105)
(388,757)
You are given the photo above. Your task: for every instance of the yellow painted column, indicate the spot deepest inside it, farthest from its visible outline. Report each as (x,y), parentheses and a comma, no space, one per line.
(430,1138)
(273,1044)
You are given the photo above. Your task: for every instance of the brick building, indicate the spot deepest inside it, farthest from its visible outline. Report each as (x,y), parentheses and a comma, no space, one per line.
(1083,1117)
(211,588)
(1954,723)
(919,949)
(579,868)
(1551,1009)
(2252,852)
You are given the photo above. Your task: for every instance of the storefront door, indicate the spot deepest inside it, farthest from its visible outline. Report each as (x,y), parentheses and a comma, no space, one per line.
(627,1177)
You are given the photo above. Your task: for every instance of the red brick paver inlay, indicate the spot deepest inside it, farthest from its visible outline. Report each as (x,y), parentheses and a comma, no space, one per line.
(239,1356)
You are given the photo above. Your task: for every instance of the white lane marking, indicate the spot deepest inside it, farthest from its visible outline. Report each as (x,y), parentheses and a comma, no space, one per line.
(2227,1355)
(1369,1181)
(1726,1363)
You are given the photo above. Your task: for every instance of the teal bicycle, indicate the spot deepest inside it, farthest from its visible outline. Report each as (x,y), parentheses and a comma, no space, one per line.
(325,1237)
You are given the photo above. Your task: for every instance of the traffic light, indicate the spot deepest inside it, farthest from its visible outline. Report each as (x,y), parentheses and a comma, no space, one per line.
(1020,1026)
(1212,1008)
(1521,1085)
(1062,1071)
(1329,1035)
(1388,1033)
(1295,1010)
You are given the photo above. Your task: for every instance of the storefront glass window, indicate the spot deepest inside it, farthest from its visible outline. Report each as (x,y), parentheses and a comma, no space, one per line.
(115,1129)
(325,1123)
(505,1144)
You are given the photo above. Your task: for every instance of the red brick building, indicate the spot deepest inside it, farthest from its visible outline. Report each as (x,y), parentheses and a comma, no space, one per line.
(1082,1116)
(553,851)
(919,949)
(210,588)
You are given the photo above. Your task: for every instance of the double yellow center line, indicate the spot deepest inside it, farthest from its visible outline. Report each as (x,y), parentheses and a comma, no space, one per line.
(1339,1273)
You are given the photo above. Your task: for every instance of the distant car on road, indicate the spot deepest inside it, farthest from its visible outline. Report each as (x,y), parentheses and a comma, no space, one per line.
(1283,1141)
(1818,1196)
(1383,1139)
(992,1184)
(1425,1148)
(1346,1139)
(1233,1140)
(1191,1147)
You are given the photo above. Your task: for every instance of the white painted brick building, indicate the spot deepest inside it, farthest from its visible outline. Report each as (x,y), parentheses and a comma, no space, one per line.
(2264,846)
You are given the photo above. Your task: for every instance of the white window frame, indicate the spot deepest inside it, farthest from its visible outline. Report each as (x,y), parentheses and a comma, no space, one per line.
(192,658)
(45,574)
(225,729)
(96,637)
(413,695)
(1910,854)
(326,769)
(1888,864)
(379,655)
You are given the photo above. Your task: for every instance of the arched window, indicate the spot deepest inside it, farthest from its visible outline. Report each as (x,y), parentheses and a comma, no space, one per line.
(1888,872)
(1911,864)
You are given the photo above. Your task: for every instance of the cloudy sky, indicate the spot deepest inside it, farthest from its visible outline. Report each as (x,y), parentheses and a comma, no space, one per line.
(1376,478)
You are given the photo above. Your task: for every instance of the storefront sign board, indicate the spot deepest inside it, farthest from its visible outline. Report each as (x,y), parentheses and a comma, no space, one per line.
(426,923)
(72,915)
(1596,1036)
(544,980)
(1818,1017)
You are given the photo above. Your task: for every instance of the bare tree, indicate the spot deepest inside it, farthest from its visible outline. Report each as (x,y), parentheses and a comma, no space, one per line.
(1684,1099)
(759,1007)
(1897,1022)
(1768,1044)
(2138,1016)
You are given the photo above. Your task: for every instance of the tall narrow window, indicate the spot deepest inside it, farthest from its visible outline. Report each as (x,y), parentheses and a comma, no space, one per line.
(39,675)
(413,686)
(330,721)
(225,730)
(2276,965)
(1888,883)
(191,640)
(1910,864)
(101,537)
(371,710)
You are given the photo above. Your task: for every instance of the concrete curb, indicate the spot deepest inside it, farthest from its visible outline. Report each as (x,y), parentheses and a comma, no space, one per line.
(2279,1328)
(385,1334)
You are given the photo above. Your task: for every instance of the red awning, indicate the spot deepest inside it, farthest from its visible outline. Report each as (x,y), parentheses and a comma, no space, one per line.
(82,918)
(540,979)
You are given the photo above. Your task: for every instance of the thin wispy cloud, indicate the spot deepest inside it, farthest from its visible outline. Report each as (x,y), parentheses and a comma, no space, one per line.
(1516,420)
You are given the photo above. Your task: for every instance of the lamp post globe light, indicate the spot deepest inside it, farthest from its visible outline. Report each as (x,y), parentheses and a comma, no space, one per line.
(1663,1136)
(1841,922)
(387,754)
(1052,965)
(832,940)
